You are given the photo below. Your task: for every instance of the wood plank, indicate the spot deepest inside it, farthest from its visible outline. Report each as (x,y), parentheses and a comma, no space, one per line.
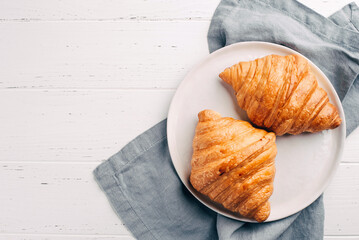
(63,237)
(125,54)
(99,54)
(341,237)
(72,125)
(342,202)
(85,125)
(106,10)
(351,149)
(143,10)
(326,7)
(54,198)
(63,198)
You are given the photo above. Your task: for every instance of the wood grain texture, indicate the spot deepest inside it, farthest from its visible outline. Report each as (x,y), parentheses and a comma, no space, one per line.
(144,10)
(75,125)
(341,237)
(63,237)
(99,54)
(56,54)
(326,7)
(24,10)
(54,198)
(63,198)
(85,125)
(341,201)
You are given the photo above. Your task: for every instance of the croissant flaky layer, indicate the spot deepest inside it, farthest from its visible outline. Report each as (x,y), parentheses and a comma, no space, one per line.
(233,164)
(282,94)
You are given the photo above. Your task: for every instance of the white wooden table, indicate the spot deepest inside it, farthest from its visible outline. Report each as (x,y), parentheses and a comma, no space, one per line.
(81,78)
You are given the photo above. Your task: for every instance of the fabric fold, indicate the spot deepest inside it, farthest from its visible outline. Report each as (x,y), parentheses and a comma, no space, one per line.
(143,188)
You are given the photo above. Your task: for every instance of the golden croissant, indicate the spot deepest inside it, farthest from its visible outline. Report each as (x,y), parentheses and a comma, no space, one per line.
(233,164)
(282,94)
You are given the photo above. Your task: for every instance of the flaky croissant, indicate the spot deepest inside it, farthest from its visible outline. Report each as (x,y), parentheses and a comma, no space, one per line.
(282,94)
(233,164)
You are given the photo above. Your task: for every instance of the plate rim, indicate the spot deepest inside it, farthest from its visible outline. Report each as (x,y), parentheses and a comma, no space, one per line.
(341,141)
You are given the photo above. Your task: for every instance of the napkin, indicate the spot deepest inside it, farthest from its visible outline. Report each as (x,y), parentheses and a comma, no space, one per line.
(140,181)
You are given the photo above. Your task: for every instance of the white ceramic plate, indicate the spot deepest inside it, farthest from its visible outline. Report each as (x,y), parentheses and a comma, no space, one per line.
(305,163)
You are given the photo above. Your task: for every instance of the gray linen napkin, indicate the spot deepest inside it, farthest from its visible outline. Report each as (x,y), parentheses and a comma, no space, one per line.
(140,181)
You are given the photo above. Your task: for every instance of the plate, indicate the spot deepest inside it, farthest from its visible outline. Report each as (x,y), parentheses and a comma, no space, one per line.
(305,163)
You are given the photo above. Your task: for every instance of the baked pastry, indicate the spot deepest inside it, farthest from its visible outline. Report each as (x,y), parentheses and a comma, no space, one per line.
(282,94)
(233,164)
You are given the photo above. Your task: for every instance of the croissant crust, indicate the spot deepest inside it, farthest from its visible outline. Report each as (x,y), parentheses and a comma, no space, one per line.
(282,94)
(233,164)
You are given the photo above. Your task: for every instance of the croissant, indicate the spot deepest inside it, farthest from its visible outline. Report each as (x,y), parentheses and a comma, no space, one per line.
(282,94)
(233,164)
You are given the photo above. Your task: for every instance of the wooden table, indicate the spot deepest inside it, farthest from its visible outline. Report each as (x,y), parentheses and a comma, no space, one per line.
(78,80)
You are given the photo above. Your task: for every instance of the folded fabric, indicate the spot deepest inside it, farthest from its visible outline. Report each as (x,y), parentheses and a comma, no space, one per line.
(140,181)
(144,190)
